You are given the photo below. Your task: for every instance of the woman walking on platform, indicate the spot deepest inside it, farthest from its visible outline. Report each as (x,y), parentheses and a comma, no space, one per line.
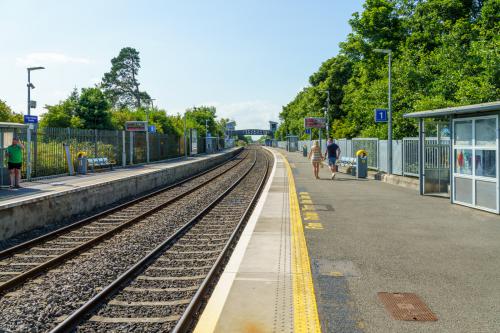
(316,158)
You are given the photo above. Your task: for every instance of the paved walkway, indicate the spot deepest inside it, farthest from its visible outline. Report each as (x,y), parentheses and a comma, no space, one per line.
(365,237)
(267,284)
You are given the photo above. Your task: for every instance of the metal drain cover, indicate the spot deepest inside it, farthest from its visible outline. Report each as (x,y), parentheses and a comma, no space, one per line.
(406,306)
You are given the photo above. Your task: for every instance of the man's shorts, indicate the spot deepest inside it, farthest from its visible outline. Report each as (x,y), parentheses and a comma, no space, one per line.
(15,166)
(332,161)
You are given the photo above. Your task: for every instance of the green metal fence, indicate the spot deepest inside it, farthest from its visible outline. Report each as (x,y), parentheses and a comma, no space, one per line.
(48,156)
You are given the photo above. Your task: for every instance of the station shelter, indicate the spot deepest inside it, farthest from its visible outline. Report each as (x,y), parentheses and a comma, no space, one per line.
(459,154)
(7,132)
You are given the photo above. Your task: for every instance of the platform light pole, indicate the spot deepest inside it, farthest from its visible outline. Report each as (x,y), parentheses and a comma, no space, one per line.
(30,85)
(28,133)
(327,112)
(389,111)
(147,130)
(185,138)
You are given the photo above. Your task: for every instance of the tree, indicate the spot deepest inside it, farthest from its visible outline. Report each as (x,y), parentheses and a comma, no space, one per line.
(7,115)
(200,116)
(445,53)
(94,109)
(63,114)
(164,124)
(121,85)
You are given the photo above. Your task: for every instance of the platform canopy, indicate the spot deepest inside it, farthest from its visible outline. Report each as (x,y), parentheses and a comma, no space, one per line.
(12,125)
(466,109)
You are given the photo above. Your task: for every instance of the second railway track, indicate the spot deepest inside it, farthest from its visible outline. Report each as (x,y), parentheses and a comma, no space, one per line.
(40,304)
(163,291)
(26,260)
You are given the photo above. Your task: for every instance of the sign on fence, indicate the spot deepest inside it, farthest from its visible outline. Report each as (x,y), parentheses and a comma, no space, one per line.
(308,131)
(136,126)
(194,141)
(30,119)
(314,122)
(380,115)
(152,129)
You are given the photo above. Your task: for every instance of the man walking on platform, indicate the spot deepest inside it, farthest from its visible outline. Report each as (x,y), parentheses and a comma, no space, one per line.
(333,151)
(14,154)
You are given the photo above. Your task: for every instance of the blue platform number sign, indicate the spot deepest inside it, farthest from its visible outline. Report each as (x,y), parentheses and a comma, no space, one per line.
(30,119)
(308,131)
(152,129)
(380,115)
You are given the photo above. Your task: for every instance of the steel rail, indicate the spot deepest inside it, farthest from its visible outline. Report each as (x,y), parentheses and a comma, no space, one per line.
(74,319)
(25,245)
(188,318)
(60,259)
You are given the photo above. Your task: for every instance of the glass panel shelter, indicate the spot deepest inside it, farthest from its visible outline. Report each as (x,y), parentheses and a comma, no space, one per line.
(7,132)
(473,154)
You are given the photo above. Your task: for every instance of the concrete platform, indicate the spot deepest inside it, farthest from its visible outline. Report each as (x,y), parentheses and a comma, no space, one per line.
(267,284)
(363,237)
(367,236)
(51,201)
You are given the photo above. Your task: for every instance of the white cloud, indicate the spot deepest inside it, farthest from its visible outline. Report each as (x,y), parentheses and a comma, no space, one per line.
(43,58)
(249,114)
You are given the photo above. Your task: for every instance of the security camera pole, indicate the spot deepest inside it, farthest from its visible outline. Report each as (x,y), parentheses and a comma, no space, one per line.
(28,134)
(31,86)
(327,111)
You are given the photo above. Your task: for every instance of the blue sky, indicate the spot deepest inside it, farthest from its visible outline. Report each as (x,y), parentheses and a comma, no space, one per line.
(247,58)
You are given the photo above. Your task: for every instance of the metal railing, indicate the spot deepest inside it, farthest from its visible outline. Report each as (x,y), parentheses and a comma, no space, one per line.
(371,147)
(410,157)
(405,153)
(48,154)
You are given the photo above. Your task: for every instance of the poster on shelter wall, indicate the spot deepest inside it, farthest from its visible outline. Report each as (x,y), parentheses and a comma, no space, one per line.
(194,142)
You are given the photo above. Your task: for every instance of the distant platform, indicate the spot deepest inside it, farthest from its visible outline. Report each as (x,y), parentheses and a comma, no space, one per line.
(43,202)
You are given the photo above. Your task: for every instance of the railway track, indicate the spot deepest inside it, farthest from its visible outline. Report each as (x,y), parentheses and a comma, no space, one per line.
(165,289)
(27,260)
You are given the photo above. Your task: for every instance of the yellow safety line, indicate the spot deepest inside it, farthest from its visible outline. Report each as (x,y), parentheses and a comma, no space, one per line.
(305,311)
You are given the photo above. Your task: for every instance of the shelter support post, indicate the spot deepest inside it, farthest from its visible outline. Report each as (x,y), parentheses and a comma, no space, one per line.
(421,159)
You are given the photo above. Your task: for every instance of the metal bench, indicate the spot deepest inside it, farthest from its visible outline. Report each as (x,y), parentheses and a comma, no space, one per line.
(347,161)
(99,163)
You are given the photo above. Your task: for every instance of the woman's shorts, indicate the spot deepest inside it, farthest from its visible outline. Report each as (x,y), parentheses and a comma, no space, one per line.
(15,166)
(332,161)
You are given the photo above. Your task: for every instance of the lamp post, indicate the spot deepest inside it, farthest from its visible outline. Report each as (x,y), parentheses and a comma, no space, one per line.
(389,116)
(326,113)
(185,138)
(28,133)
(147,130)
(31,86)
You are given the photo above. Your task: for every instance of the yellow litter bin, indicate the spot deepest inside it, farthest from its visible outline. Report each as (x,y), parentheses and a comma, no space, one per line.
(361,164)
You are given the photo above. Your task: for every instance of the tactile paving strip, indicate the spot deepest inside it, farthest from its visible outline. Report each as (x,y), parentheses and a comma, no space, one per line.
(406,306)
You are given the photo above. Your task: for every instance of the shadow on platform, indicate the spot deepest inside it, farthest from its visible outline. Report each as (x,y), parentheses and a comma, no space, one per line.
(7,194)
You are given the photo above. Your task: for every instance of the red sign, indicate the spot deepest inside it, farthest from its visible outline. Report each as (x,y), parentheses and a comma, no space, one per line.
(313,122)
(136,126)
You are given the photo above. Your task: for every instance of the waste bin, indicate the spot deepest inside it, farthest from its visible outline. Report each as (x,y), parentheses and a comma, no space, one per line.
(304,150)
(82,165)
(362,164)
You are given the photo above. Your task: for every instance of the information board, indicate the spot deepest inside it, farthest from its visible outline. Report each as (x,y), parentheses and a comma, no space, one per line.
(136,126)
(380,115)
(315,122)
(194,142)
(30,119)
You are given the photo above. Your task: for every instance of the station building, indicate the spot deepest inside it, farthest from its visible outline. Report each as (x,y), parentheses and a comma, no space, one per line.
(459,154)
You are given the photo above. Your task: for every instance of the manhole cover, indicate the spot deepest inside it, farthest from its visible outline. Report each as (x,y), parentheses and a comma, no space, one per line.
(406,306)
